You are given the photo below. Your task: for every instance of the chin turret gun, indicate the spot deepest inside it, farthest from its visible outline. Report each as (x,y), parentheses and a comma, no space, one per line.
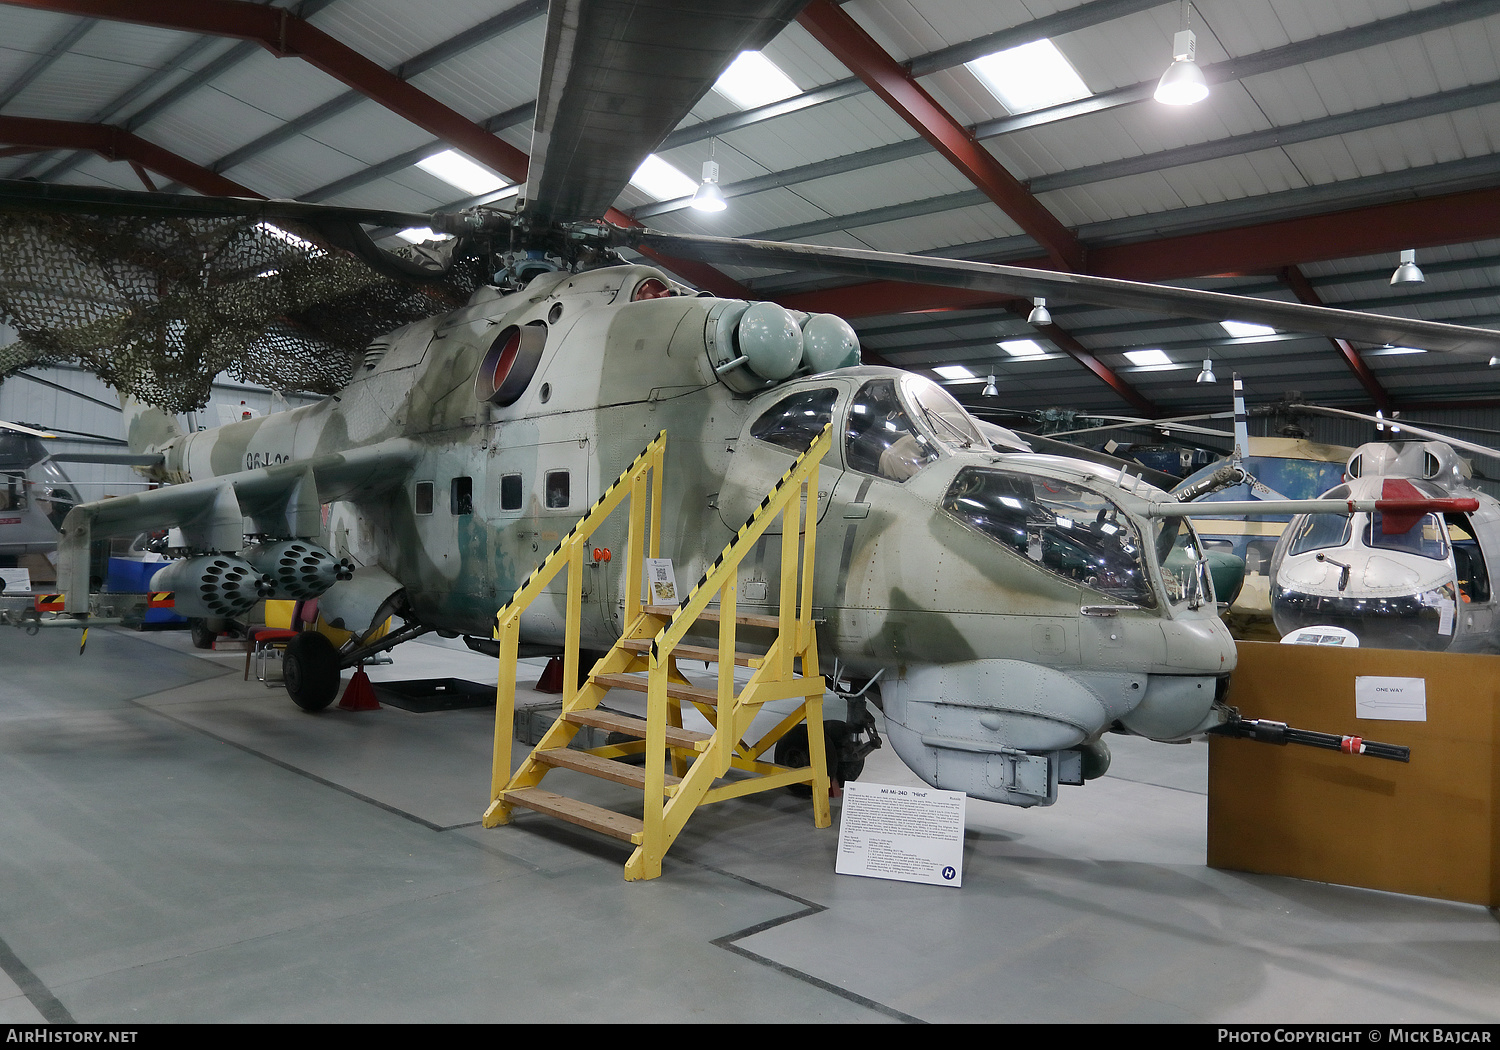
(1265,731)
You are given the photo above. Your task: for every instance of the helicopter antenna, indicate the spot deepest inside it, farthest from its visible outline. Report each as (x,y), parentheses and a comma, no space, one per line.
(1241,425)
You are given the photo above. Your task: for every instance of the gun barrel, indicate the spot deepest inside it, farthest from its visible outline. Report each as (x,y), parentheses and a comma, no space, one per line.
(1266,731)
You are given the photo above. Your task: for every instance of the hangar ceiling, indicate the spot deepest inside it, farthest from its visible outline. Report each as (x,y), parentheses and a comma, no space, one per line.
(1336,134)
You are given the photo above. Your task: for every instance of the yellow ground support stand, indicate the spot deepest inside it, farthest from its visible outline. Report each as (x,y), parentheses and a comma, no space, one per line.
(651,644)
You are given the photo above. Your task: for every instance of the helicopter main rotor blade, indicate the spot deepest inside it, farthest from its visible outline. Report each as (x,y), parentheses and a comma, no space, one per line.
(617,77)
(25,430)
(1028,283)
(105,200)
(1419,431)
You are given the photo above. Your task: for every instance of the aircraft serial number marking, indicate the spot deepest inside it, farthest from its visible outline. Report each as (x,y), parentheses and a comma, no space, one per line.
(264,459)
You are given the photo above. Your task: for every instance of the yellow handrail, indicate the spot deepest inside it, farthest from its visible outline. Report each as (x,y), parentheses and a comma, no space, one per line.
(569,552)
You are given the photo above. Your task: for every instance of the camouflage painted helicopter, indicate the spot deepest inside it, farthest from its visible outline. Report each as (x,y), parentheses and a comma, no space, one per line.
(1016,606)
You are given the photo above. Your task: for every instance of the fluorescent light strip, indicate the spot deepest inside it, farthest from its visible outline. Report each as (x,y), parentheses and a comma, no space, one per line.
(1244,330)
(1148,357)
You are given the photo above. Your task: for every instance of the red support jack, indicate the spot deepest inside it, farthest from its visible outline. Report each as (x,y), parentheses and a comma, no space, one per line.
(359,695)
(551,680)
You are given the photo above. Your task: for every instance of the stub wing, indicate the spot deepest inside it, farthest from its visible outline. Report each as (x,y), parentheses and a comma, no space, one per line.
(282,501)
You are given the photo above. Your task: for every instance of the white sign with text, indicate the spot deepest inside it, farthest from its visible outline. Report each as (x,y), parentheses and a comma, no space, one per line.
(904,833)
(1393,699)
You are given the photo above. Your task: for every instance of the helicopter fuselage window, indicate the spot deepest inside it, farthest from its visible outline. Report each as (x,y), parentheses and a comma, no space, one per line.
(423,501)
(461,496)
(1468,559)
(880,437)
(1070,531)
(558,489)
(510,492)
(794,421)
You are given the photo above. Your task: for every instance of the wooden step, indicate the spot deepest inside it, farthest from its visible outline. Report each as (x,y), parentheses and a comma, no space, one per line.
(675,690)
(692,652)
(595,766)
(712,614)
(613,722)
(605,821)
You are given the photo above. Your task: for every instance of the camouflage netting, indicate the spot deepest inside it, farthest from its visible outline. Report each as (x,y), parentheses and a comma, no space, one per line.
(157,306)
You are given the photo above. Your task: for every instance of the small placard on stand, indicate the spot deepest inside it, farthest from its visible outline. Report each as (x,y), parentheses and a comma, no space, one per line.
(660,582)
(903,833)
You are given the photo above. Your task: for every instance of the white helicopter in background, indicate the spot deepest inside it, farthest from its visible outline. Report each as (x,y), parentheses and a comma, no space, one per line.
(1419,581)
(35,494)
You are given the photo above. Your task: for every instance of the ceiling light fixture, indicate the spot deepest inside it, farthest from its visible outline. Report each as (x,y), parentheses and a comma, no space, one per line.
(1183,83)
(708,196)
(1039,315)
(1207,375)
(989,388)
(1407,272)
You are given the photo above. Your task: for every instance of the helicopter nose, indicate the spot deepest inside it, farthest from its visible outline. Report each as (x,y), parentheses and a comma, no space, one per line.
(1392,621)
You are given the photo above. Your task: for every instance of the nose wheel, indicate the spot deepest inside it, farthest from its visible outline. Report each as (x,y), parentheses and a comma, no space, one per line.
(310,668)
(844,743)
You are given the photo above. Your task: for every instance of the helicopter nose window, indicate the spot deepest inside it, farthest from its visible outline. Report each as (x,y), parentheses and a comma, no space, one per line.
(1425,538)
(880,438)
(794,421)
(1070,531)
(1319,531)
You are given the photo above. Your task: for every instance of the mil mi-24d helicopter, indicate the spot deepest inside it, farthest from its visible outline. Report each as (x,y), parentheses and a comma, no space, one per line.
(1015,606)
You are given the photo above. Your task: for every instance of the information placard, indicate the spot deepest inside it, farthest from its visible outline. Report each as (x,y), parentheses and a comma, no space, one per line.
(904,833)
(660,582)
(1393,699)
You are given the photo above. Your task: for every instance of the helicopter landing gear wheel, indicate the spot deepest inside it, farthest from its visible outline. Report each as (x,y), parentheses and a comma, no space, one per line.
(203,635)
(310,668)
(792,751)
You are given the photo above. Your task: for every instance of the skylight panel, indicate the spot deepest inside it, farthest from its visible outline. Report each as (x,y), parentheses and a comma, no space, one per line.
(754,80)
(288,238)
(1032,76)
(419,235)
(462,173)
(660,181)
(954,372)
(1244,330)
(1023,348)
(1148,358)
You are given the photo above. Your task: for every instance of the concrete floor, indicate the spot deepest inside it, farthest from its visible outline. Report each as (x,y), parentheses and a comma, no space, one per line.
(180,845)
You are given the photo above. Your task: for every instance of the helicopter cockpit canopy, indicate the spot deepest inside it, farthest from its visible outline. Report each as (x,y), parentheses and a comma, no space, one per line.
(1072,531)
(898,424)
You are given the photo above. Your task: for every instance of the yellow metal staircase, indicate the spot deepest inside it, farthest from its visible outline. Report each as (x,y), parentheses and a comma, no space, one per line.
(705,767)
